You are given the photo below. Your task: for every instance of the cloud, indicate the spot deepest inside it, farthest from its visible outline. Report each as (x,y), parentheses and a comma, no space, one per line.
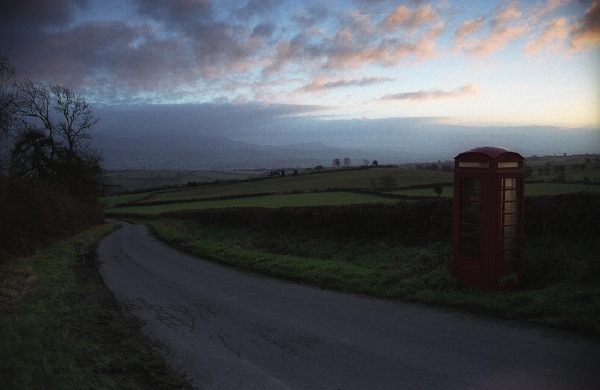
(39,12)
(257,8)
(206,50)
(466,28)
(310,17)
(214,119)
(505,14)
(433,94)
(404,17)
(552,36)
(497,39)
(587,32)
(322,83)
(505,25)
(542,9)
(178,14)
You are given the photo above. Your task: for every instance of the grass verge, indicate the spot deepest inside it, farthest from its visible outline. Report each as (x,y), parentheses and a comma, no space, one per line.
(61,328)
(560,295)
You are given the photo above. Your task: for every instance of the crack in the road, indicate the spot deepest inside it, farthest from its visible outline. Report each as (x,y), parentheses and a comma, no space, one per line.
(226,344)
(174,316)
(286,344)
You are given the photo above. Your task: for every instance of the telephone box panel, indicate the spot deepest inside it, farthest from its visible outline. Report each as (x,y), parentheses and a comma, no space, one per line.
(488,217)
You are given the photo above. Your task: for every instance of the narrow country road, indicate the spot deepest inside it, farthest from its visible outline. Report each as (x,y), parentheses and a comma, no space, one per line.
(225,329)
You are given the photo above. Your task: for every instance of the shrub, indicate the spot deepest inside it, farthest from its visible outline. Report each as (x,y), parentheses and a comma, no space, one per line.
(34,212)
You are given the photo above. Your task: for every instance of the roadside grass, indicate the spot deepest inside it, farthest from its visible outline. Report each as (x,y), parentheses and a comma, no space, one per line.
(63,330)
(386,269)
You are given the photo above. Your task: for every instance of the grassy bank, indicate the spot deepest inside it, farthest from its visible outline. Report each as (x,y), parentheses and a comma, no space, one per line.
(403,252)
(61,329)
(387,270)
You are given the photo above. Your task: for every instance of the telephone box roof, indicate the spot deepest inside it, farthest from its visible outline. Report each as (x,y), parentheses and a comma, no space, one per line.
(491,151)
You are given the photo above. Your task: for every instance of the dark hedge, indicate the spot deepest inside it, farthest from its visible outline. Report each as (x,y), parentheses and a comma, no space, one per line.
(33,213)
(574,216)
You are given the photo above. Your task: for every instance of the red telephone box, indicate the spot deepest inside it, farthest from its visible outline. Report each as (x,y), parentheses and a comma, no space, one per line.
(488,217)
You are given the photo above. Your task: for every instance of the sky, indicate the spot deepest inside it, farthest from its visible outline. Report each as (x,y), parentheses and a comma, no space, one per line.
(469,63)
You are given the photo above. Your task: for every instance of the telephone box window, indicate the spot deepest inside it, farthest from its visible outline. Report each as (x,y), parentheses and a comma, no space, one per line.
(471,164)
(508,164)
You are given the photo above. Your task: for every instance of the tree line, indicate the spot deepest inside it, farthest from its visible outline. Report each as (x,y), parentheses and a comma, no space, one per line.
(48,171)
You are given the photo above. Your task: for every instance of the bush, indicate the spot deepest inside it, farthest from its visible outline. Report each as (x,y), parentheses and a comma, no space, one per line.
(33,213)
(410,222)
(561,231)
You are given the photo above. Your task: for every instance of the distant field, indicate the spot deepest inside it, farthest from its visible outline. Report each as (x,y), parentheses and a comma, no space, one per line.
(270,201)
(110,201)
(277,191)
(577,168)
(338,179)
(137,179)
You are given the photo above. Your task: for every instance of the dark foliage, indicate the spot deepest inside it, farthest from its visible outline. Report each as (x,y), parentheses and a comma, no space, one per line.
(409,222)
(33,213)
(566,217)
(561,231)
(571,217)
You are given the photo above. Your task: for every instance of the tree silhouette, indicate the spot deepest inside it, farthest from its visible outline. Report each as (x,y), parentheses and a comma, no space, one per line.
(438,189)
(388,183)
(52,141)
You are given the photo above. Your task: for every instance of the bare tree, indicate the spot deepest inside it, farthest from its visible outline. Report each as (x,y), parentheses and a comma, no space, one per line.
(337,162)
(347,162)
(53,126)
(366,162)
(65,117)
(7,73)
(7,106)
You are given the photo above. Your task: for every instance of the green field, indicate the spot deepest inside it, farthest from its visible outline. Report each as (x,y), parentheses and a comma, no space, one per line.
(330,179)
(269,201)
(307,190)
(577,168)
(139,179)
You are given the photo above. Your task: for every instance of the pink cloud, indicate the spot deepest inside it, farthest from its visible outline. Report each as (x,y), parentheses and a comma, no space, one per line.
(506,14)
(322,83)
(552,36)
(386,52)
(505,26)
(542,9)
(433,94)
(411,19)
(497,39)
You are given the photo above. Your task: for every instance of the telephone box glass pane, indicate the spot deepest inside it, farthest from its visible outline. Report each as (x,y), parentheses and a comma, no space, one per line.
(511,209)
(472,219)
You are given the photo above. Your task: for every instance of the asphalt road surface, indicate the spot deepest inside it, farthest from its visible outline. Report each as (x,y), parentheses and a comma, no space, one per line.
(225,329)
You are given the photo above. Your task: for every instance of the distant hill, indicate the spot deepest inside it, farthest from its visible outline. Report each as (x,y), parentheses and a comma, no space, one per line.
(195,152)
